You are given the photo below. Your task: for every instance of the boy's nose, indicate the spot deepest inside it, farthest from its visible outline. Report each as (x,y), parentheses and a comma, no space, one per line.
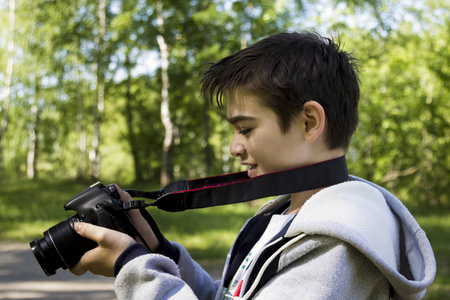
(236,148)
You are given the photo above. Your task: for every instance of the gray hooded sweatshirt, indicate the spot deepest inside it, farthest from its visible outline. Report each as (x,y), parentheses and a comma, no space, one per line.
(353,240)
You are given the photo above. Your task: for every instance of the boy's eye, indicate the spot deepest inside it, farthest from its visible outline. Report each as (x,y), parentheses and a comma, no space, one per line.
(245,131)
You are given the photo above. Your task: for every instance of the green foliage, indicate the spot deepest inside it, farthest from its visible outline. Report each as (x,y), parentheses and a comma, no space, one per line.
(404,119)
(403,136)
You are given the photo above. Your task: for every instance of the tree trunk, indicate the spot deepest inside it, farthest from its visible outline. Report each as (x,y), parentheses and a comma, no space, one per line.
(8,78)
(129,115)
(165,111)
(81,168)
(208,151)
(94,155)
(33,134)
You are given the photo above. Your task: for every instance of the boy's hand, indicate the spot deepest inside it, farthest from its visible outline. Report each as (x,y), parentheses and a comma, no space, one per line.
(101,260)
(140,223)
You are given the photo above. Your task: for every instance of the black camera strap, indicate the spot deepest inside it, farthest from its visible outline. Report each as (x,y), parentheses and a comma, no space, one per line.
(238,187)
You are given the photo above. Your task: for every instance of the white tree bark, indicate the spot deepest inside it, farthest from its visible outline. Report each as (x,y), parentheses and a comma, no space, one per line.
(165,110)
(94,154)
(8,77)
(33,140)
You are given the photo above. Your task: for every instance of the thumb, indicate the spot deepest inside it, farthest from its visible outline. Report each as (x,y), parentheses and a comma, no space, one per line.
(103,236)
(89,231)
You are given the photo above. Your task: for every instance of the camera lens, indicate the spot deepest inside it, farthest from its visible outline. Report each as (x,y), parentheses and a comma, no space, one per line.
(61,247)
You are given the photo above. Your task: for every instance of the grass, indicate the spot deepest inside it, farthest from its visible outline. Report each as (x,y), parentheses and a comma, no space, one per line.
(437,226)
(28,208)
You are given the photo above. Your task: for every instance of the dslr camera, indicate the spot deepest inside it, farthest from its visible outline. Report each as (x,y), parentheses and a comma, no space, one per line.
(62,246)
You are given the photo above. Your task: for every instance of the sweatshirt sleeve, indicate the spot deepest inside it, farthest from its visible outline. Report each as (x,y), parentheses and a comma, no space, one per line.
(325,268)
(154,276)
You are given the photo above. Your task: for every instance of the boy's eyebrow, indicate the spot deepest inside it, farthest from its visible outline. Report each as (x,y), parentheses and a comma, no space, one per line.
(235,119)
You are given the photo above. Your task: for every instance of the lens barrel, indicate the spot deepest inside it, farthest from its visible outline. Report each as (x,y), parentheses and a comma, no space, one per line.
(61,247)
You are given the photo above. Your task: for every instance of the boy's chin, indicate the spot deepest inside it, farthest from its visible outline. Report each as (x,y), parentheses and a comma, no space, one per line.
(253,172)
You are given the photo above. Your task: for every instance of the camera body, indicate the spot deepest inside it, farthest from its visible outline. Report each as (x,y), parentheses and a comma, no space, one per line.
(62,246)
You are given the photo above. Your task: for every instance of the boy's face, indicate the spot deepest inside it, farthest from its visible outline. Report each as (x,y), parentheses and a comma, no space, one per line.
(259,141)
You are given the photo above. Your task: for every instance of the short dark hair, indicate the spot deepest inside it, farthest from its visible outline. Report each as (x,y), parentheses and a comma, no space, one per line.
(286,70)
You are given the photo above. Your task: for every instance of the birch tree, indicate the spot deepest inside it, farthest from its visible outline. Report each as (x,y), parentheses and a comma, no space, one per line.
(99,75)
(8,77)
(33,134)
(165,111)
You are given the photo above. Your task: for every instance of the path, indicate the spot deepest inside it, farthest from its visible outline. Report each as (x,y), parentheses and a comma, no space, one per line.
(21,277)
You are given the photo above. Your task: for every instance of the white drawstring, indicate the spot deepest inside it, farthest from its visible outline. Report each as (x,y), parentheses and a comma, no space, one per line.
(266,264)
(234,297)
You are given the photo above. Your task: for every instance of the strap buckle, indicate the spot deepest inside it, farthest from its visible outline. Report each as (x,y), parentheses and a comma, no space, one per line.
(134,204)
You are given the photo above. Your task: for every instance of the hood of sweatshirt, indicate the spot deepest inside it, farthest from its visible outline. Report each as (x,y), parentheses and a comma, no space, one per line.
(377,224)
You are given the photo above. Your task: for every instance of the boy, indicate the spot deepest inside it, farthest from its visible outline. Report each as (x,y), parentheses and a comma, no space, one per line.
(292,101)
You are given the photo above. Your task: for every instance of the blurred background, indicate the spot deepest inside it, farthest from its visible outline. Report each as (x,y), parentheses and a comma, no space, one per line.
(109,90)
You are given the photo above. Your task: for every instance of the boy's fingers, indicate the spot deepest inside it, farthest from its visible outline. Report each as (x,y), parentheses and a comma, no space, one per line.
(89,231)
(124,196)
(78,269)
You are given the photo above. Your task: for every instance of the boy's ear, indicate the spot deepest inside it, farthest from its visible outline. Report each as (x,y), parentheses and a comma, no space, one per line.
(313,116)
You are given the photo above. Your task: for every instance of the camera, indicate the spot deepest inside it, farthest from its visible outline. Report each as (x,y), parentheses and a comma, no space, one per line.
(62,247)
